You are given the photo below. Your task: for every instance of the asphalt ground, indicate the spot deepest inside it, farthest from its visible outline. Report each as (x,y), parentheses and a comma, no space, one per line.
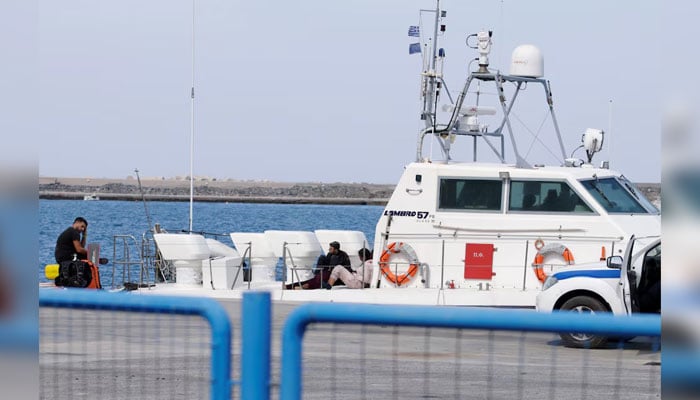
(116,355)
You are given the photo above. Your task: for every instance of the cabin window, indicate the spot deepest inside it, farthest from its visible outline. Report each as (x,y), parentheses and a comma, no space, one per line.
(470,194)
(610,193)
(545,196)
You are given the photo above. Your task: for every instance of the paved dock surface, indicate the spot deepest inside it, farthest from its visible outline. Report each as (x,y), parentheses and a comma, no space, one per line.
(84,354)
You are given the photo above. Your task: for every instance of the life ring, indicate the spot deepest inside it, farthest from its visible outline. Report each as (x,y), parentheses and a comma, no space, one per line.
(550,248)
(539,243)
(395,248)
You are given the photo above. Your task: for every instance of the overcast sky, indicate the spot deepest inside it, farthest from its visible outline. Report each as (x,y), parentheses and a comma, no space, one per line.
(322,90)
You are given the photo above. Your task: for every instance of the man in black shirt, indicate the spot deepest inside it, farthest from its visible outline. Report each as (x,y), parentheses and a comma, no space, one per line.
(71,242)
(324,265)
(335,257)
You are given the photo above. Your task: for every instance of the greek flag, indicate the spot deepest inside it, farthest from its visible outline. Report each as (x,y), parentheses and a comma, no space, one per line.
(413,30)
(414,48)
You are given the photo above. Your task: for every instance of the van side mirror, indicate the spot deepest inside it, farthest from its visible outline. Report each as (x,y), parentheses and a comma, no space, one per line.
(614,262)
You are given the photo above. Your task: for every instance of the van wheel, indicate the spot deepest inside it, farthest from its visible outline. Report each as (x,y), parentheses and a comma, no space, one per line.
(583,305)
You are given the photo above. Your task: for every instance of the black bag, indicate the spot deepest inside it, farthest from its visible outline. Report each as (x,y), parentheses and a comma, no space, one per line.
(74,274)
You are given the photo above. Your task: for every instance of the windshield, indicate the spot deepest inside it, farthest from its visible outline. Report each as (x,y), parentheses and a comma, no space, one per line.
(639,195)
(615,198)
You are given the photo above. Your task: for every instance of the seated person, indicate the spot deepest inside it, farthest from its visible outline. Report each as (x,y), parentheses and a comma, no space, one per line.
(70,244)
(354,279)
(324,265)
(549,202)
(566,200)
(529,201)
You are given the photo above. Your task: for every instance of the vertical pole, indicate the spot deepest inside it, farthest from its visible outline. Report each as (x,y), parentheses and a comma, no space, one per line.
(255,360)
(250,263)
(527,250)
(550,101)
(610,112)
(192,126)
(143,198)
(431,101)
(442,267)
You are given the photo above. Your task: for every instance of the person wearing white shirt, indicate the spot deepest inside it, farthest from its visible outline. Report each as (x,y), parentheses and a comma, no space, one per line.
(357,278)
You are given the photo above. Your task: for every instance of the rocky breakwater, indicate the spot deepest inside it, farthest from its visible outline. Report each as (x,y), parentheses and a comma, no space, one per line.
(205,189)
(215,190)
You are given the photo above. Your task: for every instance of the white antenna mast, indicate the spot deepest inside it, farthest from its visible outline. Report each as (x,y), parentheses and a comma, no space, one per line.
(192,126)
(610,111)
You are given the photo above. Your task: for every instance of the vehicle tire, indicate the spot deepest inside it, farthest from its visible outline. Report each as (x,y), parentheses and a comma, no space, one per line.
(620,339)
(583,305)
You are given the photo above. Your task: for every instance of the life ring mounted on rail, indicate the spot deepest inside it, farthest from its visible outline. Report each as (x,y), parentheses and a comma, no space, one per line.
(550,249)
(395,248)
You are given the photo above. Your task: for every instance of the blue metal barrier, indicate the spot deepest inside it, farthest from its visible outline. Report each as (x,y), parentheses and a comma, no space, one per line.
(206,308)
(255,359)
(464,318)
(19,334)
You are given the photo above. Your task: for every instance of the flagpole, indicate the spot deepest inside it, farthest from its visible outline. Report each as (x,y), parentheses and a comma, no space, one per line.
(192,126)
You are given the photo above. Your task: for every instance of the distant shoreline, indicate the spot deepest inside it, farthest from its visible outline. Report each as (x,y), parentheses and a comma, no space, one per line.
(211,190)
(211,199)
(235,191)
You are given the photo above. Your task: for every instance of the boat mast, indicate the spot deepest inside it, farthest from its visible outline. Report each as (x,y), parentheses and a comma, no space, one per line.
(464,121)
(192,126)
(431,85)
(429,113)
(143,198)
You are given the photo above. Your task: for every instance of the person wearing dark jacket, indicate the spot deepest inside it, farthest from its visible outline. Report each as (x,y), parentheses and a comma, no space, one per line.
(324,265)
(334,257)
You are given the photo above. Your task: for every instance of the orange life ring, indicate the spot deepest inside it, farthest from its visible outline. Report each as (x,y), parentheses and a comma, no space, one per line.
(550,248)
(395,248)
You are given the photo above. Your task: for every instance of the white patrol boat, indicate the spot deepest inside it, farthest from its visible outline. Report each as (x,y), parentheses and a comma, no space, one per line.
(457,233)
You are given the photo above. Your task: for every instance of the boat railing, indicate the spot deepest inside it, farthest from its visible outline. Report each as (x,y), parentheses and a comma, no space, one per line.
(155,267)
(289,264)
(450,244)
(244,266)
(128,253)
(296,281)
(501,234)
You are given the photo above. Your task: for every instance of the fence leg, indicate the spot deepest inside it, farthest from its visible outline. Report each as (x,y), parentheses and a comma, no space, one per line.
(255,357)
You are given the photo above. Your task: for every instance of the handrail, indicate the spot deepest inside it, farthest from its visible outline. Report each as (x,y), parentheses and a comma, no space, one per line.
(125,261)
(209,309)
(249,252)
(447,317)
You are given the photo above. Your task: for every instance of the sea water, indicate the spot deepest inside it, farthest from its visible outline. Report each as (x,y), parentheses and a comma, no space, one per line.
(107,218)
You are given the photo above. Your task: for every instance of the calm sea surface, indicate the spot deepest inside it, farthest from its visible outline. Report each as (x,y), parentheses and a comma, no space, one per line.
(107,218)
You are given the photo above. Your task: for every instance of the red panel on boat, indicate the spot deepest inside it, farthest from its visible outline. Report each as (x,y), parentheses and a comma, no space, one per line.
(478,261)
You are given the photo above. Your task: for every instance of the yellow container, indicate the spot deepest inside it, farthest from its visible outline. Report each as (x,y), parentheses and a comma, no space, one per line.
(51,271)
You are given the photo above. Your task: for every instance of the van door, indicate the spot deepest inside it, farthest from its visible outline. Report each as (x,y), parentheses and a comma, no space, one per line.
(649,289)
(632,276)
(628,279)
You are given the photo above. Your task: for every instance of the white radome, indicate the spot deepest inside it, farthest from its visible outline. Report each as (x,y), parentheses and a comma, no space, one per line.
(527,60)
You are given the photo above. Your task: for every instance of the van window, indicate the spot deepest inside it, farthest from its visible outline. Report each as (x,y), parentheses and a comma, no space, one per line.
(545,196)
(470,194)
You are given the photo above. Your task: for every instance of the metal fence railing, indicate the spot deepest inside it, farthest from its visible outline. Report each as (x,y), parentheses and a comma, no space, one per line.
(127,345)
(121,345)
(400,352)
